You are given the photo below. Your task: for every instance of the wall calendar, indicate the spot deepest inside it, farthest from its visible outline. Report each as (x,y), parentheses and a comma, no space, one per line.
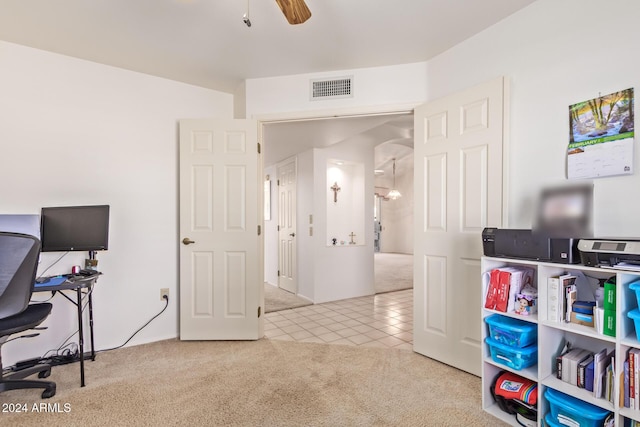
(601,136)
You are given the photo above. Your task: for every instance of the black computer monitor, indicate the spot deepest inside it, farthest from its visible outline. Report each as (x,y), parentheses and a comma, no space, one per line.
(74,228)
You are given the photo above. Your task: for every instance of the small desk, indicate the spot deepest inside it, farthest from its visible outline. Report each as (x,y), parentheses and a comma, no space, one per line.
(77,284)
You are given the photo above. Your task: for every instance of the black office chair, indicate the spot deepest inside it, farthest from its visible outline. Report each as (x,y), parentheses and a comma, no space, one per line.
(18,264)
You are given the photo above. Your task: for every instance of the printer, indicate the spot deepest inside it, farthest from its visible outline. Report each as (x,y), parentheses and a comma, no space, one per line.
(529,244)
(618,253)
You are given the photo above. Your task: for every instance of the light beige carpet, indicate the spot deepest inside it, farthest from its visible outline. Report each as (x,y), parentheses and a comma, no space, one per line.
(393,272)
(276,299)
(261,383)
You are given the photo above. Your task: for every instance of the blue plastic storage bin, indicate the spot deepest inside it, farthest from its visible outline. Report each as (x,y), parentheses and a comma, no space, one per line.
(513,357)
(635,286)
(550,422)
(510,331)
(635,316)
(566,410)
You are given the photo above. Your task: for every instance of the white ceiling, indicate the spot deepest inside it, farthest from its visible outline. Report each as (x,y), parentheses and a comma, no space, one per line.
(391,136)
(206,43)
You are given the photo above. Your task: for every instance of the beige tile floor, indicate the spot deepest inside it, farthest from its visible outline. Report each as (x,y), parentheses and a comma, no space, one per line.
(383,320)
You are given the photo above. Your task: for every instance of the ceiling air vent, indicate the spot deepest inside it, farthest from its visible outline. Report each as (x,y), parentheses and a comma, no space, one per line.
(333,88)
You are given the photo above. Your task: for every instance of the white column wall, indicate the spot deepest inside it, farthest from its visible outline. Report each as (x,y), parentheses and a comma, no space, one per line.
(344,271)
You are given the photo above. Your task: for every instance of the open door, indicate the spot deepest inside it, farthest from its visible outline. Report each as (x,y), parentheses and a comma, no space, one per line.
(221,265)
(287,260)
(458,191)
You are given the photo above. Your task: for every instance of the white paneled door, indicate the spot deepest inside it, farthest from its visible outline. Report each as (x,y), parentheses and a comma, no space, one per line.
(458,191)
(287,268)
(221,275)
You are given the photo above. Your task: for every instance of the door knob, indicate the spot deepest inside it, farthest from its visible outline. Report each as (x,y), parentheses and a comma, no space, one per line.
(292,234)
(187,241)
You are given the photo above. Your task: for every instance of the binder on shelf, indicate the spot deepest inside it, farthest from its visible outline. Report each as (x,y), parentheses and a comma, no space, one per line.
(588,377)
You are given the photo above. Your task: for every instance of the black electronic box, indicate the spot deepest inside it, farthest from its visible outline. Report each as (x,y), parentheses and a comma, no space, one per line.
(528,244)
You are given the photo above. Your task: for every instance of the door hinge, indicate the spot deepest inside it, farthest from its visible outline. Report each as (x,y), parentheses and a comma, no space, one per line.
(278,273)
(259,311)
(278,182)
(278,228)
(258,148)
(259,229)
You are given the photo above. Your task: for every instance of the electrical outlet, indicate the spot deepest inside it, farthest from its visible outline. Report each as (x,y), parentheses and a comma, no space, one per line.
(164,292)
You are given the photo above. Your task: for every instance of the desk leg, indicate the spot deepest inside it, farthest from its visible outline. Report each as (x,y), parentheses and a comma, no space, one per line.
(93,348)
(80,336)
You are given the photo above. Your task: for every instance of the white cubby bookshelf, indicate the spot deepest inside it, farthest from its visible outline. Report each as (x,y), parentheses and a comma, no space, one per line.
(553,335)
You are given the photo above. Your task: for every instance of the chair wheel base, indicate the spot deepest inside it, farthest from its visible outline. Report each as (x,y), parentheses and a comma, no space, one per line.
(49,392)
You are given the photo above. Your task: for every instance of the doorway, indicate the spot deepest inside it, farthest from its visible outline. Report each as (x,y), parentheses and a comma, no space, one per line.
(389,136)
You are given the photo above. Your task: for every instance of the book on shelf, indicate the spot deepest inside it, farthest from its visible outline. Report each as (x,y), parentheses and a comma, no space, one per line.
(565,349)
(588,377)
(624,380)
(502,298)
(560,290)
(492,290)
(582,371)
(553,299)
(600,363)
(571,365)
(628,422)
(609,390)
(571,295)
(633,357)
(631,381)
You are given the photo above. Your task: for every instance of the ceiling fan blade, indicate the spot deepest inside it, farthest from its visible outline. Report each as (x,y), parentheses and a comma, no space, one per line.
(296,11)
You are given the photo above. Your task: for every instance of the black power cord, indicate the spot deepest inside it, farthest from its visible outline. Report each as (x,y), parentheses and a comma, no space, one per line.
(166,298)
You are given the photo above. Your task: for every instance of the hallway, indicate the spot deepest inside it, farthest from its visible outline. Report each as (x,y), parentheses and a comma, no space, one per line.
(384,320)
(392,272)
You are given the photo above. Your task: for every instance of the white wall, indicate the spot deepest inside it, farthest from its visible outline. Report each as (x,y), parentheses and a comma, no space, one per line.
(372,87)
(397,215)
(271,231)
(342,271)
(554,54)
(345,209)
(74,132)
(305,242)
